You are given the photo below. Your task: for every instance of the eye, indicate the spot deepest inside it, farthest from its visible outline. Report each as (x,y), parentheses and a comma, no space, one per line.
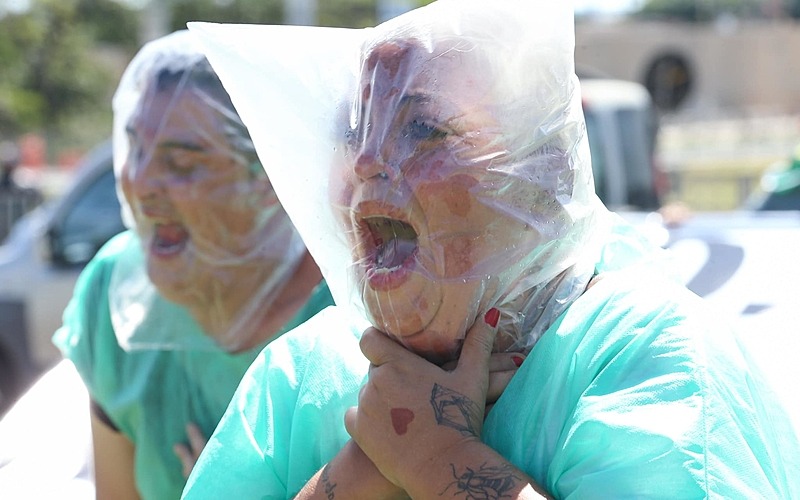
(181,162)
(423,131)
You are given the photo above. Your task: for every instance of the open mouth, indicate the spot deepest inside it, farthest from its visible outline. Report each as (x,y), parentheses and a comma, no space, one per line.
(392,245)
(169,239)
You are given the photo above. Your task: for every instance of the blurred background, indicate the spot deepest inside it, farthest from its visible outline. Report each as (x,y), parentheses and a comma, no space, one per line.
(721,74)
(693,117)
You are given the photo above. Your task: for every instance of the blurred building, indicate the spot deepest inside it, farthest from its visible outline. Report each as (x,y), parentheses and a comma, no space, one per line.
(728,66)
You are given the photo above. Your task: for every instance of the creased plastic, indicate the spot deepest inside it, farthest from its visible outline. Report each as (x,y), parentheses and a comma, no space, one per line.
(215,239)
(436,165)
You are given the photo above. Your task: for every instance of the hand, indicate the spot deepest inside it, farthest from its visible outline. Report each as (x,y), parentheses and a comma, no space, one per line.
(188,455)
(410,409)
(502,368)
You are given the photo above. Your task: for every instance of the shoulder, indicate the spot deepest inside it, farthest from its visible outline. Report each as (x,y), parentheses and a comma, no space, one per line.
(324,346)
(110,253)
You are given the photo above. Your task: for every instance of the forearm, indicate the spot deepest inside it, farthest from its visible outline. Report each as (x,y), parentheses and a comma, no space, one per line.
(113,463)
(472,470)
(350,475)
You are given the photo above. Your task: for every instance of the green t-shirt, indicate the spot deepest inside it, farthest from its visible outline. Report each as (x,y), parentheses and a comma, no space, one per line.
(150,395)
(637,390)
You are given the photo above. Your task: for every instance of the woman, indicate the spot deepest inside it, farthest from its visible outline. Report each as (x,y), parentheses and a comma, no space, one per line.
(460,203)
(167,317)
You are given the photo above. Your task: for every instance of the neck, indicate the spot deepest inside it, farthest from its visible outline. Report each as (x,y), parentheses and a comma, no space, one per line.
(277,308)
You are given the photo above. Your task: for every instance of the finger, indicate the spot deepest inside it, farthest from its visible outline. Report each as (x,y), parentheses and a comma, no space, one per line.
(350,416)
(197,440)
(498,381)
(379,348)
(478,344)
(450,365)
(502,361)
(186,458)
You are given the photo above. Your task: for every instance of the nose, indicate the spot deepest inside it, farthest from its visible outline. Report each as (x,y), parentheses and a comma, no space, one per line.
(370,164)
(141,174)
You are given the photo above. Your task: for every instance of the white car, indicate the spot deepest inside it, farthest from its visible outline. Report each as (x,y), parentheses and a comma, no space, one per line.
(40,262)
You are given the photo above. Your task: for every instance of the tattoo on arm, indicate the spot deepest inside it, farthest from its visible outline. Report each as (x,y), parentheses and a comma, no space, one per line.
(486,483)
(329,486)
(455,410)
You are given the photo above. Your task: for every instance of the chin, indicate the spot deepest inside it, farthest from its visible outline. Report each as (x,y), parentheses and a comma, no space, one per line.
(437,350)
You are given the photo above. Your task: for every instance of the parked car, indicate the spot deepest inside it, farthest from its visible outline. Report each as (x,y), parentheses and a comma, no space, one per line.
(622,125)
(40,262)
(779,187)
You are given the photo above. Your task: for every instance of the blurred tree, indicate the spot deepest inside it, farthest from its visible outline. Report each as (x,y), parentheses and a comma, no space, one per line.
(340,13)
(62,59)
(699,10)
(110,22)
(52,82)
(225,11)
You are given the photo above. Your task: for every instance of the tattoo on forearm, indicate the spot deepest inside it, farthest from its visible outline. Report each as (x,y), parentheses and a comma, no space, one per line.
(486,483)
(329,486)
(455,410)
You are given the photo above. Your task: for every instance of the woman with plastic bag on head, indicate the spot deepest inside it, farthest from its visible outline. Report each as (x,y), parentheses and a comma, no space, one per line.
(444,187)
(168,316)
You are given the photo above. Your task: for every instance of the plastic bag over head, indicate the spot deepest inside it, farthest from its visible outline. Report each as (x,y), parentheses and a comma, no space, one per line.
(214,236)
(441,171)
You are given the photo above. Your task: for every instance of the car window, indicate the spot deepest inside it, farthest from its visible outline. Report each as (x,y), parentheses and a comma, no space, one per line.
(636,127)
(92,220)
(598,153)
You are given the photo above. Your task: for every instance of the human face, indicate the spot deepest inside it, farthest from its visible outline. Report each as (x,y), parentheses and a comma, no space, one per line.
(194,199)
(428,214)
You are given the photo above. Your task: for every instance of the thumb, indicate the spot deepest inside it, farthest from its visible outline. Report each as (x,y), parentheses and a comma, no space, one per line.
(477,349)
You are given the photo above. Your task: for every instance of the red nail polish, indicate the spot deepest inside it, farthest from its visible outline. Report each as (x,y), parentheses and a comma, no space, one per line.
(492,316)
(517,360)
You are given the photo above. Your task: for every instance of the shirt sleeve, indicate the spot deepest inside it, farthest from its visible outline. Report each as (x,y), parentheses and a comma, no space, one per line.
(286,419)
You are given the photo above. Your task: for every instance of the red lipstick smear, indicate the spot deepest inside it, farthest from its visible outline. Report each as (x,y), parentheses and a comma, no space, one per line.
(401,417)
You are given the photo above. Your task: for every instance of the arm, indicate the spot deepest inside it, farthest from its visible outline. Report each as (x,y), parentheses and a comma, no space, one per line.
(350,475)
(420,425)
(113,463)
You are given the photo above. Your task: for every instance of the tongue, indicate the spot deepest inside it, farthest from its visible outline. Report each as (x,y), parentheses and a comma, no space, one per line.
(170,234)
(394,252)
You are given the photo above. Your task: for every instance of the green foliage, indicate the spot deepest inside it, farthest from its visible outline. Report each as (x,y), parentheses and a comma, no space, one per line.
(51,72)
(230,11)
(699,10)
(108,22)
(62,59)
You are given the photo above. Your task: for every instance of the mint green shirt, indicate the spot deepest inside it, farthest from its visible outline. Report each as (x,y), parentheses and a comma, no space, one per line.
(150,395)
(636,391)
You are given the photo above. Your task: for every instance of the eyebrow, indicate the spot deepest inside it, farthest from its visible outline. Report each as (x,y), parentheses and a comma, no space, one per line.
(181,145)
(416,97)
(189,146)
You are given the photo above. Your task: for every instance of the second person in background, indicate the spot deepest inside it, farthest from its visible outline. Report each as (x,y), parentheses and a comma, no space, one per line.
(168,315)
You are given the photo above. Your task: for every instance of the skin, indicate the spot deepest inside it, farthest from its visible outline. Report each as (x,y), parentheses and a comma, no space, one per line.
(425,160)
(380,463)
(113,463)
(200,207)
(416,429)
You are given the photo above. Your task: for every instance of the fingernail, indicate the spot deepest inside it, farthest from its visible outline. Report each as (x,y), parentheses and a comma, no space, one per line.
(517,360)
(492,316)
